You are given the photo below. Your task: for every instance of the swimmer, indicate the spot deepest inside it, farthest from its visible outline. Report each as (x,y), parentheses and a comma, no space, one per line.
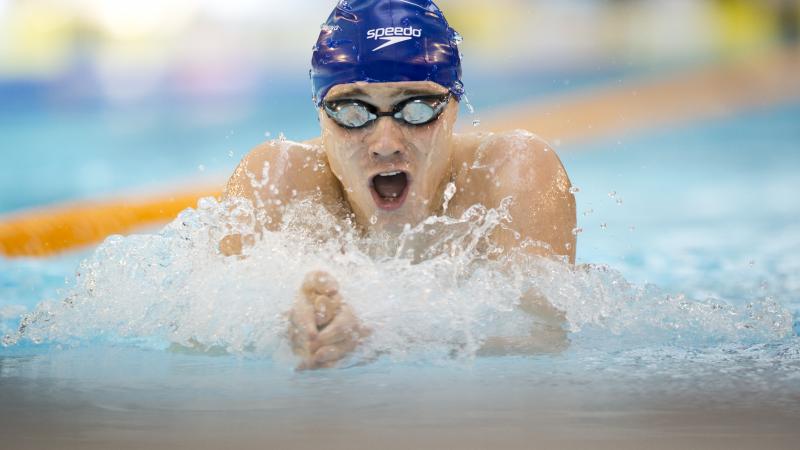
(386,78)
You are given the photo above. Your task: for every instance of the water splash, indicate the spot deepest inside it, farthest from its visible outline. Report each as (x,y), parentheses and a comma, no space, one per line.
(438,289)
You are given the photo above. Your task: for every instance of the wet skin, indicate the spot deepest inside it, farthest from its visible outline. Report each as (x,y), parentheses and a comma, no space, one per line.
(339,169)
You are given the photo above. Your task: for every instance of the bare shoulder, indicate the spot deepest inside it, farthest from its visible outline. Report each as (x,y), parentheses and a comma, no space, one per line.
(519,165)
(517,152)
(281,169)
(514,161)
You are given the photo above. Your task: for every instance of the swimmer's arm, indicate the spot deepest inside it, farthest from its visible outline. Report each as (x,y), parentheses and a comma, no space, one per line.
(543,208)
(271,176)
(547,336)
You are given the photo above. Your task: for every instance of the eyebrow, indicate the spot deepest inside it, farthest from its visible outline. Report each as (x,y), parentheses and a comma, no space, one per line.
(405,93)
(352,92)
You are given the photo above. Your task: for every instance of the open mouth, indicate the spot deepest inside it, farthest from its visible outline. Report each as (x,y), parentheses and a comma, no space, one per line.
(390,189)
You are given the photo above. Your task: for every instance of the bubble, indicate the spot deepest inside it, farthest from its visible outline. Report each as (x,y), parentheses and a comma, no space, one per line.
(576,231)
(631,228)
(201,168)
(476,123)
(373,220)
(588,212)
(619,202)
(267,134)
(230,153)
(603,226)
(612,194)
(574,190)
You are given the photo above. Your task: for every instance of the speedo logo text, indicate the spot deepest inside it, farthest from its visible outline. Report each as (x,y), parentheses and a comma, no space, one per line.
(393,35)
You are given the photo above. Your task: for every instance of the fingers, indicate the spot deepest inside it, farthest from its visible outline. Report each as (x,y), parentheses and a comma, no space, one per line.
(326,308)
(302,327)
(343,327)
(323,328)
(302,317)
(319,283)
(328,355)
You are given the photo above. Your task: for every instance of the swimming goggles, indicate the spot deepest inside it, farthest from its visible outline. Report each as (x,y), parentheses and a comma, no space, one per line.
(414,111)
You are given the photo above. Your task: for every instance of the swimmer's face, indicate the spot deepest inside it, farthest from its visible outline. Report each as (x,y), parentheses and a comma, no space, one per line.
(392,172)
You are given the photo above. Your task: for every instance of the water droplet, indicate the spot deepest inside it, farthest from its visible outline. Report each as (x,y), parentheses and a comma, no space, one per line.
(574,190)
(457,38)
(612,194)
(468,104)
(373,220)
(752,263)
(476,123)
(619,201)
(281,137)
(449,192)
(604,226)
(230,153)
(577,231)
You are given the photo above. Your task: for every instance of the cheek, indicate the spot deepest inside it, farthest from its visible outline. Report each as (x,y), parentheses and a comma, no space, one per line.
(341,148)
(427,142)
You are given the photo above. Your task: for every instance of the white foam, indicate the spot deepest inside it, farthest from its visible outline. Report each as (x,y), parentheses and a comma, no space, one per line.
(430,293)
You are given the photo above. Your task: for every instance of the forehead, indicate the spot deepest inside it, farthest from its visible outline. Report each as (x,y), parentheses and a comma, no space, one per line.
(385,90)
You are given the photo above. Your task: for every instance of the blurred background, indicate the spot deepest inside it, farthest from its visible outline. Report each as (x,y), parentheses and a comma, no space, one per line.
(104,97)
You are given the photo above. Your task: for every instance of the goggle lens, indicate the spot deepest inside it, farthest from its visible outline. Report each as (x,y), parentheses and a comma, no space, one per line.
(355,114)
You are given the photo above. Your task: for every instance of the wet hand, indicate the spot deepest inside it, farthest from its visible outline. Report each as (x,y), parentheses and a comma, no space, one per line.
(322,329)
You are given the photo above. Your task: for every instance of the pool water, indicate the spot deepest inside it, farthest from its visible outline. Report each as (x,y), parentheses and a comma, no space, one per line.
(684,319)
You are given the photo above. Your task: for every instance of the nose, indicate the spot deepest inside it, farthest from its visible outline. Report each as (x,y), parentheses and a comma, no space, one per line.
(386,142)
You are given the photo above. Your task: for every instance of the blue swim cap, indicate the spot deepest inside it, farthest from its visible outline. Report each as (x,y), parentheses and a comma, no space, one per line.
(382,41)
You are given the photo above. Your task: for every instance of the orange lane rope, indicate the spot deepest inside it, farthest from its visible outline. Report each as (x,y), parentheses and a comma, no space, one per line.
(49,231)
